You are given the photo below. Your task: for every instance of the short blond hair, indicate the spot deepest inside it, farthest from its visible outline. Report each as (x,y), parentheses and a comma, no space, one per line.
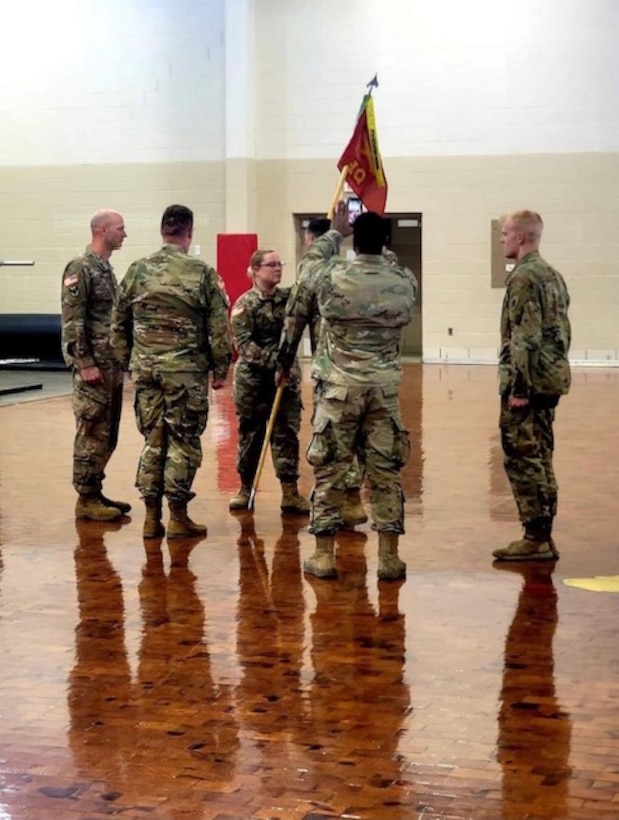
(530,223)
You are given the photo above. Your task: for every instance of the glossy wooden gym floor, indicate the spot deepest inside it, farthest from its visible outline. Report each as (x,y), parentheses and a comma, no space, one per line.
(211,680)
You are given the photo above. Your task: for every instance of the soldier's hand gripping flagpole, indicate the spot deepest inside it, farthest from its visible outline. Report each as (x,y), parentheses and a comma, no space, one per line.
(267,441)
(338,192)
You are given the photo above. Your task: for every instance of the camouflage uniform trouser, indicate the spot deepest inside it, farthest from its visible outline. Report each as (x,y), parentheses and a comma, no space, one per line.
(528,443)
(253,394)
(97,418)
(354,476)
(171,410)
(363,422)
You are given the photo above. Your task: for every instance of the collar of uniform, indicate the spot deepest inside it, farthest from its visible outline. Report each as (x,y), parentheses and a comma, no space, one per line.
(267,297)
(102,263)
(172,247)
(527,258)
(369,257)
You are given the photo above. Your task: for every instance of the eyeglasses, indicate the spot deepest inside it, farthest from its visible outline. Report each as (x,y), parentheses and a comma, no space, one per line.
(272,265)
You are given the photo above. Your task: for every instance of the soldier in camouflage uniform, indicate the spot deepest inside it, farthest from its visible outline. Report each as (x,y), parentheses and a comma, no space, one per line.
(320,248)
(363,305)
(257,321)
(534,373)
(170,328)
(88,289)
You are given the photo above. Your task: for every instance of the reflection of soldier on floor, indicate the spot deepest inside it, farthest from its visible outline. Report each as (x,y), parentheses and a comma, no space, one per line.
(174,671)
(534,731)
(270,633)
(358,697)
(119,727)
(100,689)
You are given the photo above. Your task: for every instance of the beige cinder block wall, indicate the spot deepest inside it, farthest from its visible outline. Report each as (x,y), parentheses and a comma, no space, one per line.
(458,197)
(46,211)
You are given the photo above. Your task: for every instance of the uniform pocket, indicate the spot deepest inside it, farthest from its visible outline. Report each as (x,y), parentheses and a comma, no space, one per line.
(89,402)
(195,415)
(321,448)
(401,444)
(518,434)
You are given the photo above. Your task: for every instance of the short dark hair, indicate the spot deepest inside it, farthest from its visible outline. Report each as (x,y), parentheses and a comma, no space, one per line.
(318,226)
(369,233)
(176,220)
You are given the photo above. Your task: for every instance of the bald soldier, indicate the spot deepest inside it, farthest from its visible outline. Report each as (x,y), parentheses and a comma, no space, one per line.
(88,291)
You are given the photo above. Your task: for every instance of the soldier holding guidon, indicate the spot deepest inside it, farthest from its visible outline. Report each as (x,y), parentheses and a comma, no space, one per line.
(257,320)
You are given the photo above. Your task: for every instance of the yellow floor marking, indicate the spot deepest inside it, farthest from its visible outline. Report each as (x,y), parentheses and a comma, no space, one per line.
(600,583)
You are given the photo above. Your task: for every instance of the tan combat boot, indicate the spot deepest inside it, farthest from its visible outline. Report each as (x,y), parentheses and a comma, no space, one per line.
(93,509)
(390,567)
(527,549)
(181,525)
(353,511)
(322,562)
(123,506)
(240,500)
(292,500)
(537,544)
(153,528)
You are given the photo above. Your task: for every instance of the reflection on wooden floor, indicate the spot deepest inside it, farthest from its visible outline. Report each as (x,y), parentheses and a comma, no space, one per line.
(211,680)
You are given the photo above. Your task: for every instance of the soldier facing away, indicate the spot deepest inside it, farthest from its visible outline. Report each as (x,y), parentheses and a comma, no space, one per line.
(170,328)
(534,373)
(257,322)
(322,241)
(88,290)
(364,304)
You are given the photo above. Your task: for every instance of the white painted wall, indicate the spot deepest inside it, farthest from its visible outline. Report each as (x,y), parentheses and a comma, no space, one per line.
(86,82)
(456,78)
(144,80)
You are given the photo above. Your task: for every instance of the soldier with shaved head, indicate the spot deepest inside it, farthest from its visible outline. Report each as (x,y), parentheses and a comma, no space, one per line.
(88,291)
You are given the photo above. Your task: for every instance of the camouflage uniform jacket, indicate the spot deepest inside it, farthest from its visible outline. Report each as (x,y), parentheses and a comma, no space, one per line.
(170,313)
(535,331)
(313,265)
(257,321)
(88,290)
(363,305)
(309,271)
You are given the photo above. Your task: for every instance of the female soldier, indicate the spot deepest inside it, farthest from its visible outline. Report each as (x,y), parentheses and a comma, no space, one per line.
(257,322)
